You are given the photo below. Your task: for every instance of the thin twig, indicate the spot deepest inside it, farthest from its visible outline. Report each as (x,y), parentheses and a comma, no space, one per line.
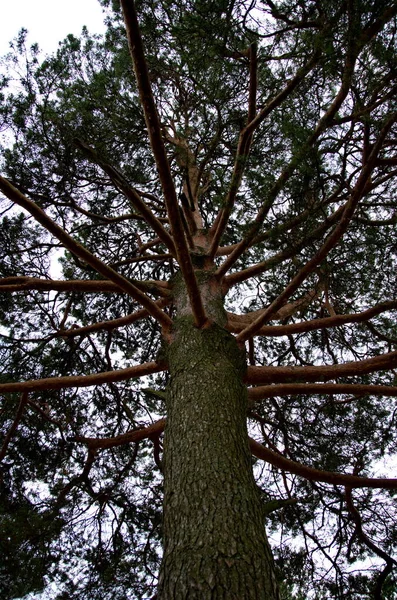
(22,404)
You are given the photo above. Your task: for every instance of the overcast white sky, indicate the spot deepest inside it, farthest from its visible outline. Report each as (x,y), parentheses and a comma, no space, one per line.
(48,21)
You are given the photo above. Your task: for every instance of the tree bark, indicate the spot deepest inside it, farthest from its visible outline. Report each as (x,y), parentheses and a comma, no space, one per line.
(215,544)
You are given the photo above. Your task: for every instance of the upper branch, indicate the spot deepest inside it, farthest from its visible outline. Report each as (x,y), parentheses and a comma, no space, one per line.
(19,283)
(159,153)
(242,153)
(322,125)
(80,251)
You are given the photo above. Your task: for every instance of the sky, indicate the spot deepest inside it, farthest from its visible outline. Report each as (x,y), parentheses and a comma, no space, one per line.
(48,21)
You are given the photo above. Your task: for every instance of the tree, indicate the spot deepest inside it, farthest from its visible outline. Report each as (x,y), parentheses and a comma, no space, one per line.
(223,226)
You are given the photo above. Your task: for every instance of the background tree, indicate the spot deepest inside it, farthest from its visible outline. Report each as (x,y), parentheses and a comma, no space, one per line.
(248,166)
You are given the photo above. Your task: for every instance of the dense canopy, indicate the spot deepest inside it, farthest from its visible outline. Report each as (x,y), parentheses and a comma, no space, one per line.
(256,142)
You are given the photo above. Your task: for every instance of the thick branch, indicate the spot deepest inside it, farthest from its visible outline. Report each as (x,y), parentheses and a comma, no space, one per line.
(259,375)
(112,323)
(159,153)
(80,251)
(236,323)
(285,464)
(71,381)
(16,284)
(135,435)
(292,389)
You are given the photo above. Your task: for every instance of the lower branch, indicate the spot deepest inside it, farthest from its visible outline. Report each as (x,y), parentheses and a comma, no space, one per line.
(136,435)
(354,481)
(292,389)
(257,450)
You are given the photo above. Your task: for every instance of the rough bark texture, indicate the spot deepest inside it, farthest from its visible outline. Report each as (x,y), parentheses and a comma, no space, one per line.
(215,542)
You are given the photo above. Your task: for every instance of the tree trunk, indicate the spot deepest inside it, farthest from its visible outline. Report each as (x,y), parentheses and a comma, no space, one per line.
(215,545)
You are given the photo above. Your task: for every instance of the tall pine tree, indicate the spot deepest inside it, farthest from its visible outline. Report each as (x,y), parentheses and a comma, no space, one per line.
(198,296)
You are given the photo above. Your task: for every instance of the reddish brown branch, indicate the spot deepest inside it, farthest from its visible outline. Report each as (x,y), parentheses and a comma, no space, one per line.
(16,284)
(243,148)
(58,383)
(292,389)
(160,156)
(22,403)
(81,252)
(285,464)
(112,323)
(257,450)
(259,375)
(236,323)
(135,435)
